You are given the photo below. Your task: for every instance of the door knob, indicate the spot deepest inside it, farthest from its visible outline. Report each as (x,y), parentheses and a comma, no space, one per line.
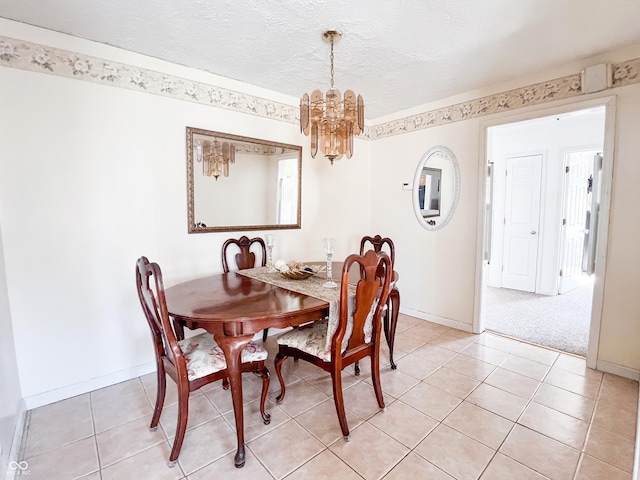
(533,232)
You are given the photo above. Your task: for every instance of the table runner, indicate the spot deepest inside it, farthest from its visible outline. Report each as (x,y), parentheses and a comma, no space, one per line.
(312,286)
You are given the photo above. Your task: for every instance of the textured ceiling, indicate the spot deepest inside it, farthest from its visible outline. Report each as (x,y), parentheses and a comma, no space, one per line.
(396,53)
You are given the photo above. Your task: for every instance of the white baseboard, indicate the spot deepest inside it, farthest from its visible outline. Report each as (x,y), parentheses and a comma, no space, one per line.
(636,456)
(619,370)
(467,327)
(69,391)
(16,444)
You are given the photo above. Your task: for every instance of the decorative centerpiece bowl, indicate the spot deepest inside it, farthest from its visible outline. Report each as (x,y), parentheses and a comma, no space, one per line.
(295,270)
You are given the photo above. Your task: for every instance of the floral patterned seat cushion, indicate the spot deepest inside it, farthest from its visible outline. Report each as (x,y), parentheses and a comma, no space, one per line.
(311,339)
(204,356)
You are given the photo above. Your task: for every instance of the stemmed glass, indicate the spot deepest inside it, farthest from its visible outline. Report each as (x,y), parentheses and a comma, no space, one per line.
(328,244)
(270,242)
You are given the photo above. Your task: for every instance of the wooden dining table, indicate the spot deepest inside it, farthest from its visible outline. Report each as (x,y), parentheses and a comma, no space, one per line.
(234,307)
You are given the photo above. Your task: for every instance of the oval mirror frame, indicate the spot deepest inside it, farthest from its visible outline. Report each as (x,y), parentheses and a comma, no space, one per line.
(443,164)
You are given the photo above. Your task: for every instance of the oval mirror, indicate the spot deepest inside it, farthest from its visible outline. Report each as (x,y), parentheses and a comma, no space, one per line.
(436,188)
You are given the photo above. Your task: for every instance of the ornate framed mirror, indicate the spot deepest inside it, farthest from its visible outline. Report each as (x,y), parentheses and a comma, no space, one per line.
(239,183)
(436,188)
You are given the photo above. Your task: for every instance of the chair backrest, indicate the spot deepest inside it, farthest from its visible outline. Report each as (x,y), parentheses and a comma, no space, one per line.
(245,259)
(378,244)
(154,305)
(372,291)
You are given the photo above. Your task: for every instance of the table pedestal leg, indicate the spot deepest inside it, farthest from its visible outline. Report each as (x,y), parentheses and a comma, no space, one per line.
(232,348)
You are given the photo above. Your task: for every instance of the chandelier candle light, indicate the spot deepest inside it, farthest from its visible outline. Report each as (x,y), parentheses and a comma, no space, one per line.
(215,157)
(331,119)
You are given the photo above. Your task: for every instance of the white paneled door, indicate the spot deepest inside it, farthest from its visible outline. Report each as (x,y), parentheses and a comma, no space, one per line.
(521,222)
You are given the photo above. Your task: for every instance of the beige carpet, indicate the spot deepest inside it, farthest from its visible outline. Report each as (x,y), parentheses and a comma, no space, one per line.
(560,322)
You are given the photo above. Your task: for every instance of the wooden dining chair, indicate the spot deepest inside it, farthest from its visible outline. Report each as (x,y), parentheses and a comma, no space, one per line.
(357,333)
(245,258)
(191,363)
(392,308)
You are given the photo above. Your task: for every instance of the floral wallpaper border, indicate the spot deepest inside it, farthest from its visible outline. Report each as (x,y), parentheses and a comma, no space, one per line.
(40,58)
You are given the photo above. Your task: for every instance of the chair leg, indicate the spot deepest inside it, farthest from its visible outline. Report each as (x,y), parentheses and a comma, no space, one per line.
(183,415)
(265,334)
(278,365)
(263,371)
(336,380)
(356,369)
(160,393)
(391,321)
(178,328)
(225,383)
(375,376)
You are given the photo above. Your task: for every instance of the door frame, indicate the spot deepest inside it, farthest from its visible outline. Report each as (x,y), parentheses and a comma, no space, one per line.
(609,102)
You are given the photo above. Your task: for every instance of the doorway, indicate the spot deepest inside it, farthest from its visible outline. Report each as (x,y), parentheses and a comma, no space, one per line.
(540,228)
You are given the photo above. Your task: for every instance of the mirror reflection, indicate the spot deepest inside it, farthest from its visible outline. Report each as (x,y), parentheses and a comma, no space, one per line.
(436,188)
(239,183)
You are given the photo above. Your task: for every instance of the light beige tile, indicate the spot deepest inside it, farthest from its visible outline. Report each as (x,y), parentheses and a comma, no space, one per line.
(564,428)
(222,400)
(299,397)
(540,453)
(431,400)
(453,341)
(361,400)
(498,401)
(573,382)
(593,469)
(127,439)
(121,405)
(414,467)
(285,448)
(504,344)
(623,398)
(224,468)
(484,353)
(200,411)
(326,466)
(536,353)
(471,367)
(150,463)
(405,342)
(406,321)
(70,461)
(565,401)
(458,455)
(254,425)
(321,380)
(92,476)
(618,381)
(322,421)
(480,424)
(578,366)
(149,382)
(404,423)
(525,367)
(382,451)
(426,330)
(206,443)
(452,382)
(434,354)
(610,417)
(395,382)
(513,382)
(415,366)
(616,450)
(58,424)
(504,468)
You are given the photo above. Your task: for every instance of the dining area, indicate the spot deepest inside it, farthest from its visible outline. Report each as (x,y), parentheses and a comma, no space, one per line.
(331,323)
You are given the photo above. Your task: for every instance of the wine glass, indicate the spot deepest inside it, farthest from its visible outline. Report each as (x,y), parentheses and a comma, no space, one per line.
(270,243)
(328,244)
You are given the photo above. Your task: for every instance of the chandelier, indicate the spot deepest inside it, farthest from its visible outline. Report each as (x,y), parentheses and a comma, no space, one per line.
(215,157)
(332,120)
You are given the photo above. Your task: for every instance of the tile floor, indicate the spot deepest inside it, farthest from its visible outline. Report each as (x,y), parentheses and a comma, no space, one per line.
(459,406)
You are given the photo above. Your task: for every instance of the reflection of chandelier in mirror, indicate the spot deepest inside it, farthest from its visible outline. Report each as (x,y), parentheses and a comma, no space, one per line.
(332,121)
(215,157)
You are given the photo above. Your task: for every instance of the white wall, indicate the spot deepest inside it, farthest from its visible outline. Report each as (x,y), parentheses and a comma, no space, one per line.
(10,393)
(94,176)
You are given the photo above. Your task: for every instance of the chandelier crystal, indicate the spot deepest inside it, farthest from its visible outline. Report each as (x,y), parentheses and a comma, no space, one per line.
(215,157)
(332,120)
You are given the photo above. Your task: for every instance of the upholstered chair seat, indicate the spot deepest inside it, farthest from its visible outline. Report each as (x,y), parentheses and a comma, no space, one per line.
(204,356)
